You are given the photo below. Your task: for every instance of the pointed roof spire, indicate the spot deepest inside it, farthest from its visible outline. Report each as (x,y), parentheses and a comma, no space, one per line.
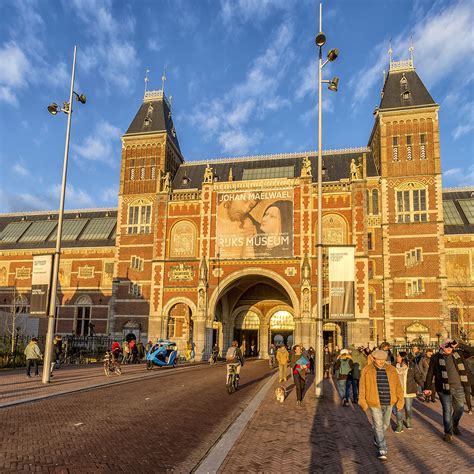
(163,79)
(390,50)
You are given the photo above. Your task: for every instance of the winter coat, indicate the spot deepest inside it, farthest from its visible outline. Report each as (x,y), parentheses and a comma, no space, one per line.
(410,377)
(360,361)
(435,369)
(282,355)
(368,392)
(32,351)
(327,359)
(294,366)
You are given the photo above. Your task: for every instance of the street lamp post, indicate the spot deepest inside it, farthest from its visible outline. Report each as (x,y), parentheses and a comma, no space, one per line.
(54,109)
(333,84)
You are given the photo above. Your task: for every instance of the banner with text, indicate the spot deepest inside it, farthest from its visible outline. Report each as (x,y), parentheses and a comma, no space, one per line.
(341,283)
(255,224)
(40,284)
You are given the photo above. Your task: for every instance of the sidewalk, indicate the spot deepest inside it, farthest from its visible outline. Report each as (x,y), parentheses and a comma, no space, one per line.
(16,388)
(322,436)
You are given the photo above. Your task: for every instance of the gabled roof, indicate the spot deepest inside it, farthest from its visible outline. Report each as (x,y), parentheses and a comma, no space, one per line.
(154,116)
(336,162)
(399,82)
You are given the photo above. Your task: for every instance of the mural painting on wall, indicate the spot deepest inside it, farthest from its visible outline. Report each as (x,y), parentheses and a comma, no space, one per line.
(255,224)
(334,230)
(107,273)
(183,240)
(64,274)
(458,267)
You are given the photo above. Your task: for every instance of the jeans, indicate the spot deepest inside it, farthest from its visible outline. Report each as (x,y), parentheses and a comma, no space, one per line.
(29,363)
(300,382)
(271,361)
(355,389)
(283,370)
(341,388)
(380,422)
(408,408)
(453,407)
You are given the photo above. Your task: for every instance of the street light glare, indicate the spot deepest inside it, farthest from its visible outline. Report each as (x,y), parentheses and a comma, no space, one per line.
(333,54)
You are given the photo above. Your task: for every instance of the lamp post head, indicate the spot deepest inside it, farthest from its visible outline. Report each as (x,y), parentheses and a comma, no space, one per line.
(53,109)
(320,39)
(333,54)
(81,98)
(333,84)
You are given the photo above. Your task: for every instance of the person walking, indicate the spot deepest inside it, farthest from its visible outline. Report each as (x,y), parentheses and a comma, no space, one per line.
(271,354)
(424,365)
(33,356)
(380,390)
(312,356)
(327,361)
(448,368)
(283,358)
(125,352)
(57,351)
(385,346)
(410,378)
(353,379)
(343,368)
(141,351)
(299,367)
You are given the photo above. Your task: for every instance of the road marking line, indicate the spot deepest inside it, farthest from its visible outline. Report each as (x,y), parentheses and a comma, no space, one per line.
(78,424)
(217,454)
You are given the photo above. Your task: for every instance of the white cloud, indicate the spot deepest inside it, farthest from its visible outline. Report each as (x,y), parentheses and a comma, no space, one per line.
(14,67)
(250,100)
(99,145)
(20,169)
(459,176)
(110,195)
(75,197)
(154,45)
(244,11)
(110,51)
(452,172)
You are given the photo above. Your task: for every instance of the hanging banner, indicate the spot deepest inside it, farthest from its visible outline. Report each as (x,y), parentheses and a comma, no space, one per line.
(40,284)
(255,224)
(341,283)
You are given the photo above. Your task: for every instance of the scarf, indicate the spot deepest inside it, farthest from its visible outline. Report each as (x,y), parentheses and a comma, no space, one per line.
(460,368)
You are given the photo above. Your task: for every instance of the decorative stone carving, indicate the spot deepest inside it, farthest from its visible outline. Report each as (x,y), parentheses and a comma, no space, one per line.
(4,269)
(306,168)
(203,272)
(306,300)
(201,300)
(417,328)
(166,182)
(85,272)
(208,175)
(218,272)
(306,271)
(64,274)
(181,272)
(23,273)
(334,230)
(183,240)
(290,271)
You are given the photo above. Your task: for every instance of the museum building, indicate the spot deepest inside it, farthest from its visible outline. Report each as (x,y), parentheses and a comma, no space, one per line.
(207,251)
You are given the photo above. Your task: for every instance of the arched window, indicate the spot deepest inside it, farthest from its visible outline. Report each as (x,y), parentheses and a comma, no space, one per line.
(372,299)
(139,217)
(334,229)
(367,197)
(375,201)
(282,321)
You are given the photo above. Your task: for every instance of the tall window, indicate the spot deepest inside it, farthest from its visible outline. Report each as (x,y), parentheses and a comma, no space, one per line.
(132,170)
(139,218)
(370,242)
(395,148)
(409,154)
(411,206)
(371,269)
(153,169)
(142,169)
(454,316)
(371,298)
(423,146)
(415,287)
(375,202)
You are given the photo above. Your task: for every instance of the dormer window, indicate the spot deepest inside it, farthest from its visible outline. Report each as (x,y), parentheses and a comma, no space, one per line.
(147,121)
(406,95)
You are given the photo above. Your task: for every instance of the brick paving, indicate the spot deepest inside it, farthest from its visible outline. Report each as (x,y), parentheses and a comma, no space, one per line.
(156,424)
(322,436)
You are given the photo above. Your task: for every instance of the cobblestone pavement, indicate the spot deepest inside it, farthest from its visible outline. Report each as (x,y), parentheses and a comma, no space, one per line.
(15,386)
(322,436)
(157,424)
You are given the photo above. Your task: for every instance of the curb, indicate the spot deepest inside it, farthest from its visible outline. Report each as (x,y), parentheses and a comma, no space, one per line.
(99,385)
(218,453)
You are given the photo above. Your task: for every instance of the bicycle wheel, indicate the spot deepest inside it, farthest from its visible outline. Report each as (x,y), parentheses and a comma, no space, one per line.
(149,365)
(230,385)
(118,370)
(106,369)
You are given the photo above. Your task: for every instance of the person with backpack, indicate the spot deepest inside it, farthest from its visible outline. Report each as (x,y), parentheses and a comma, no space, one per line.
(343,368)
(234,358)
(116,350)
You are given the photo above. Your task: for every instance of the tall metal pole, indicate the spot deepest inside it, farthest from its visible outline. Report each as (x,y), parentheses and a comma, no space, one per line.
(54,284)
(319,367)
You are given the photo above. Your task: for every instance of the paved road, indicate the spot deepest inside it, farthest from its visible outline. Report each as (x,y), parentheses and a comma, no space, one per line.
(157,424)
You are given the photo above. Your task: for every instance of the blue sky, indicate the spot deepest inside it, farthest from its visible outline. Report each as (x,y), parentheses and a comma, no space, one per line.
(242,74)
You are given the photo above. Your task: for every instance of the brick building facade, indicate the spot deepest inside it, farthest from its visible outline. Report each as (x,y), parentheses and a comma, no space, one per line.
(206,251)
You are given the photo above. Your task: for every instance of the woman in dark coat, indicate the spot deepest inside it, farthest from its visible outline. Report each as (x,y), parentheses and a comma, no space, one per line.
(299,367)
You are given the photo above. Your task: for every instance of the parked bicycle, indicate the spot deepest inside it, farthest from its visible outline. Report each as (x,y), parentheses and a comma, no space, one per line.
(111,365)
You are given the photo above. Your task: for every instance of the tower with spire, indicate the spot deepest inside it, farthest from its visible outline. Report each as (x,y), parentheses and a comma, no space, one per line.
(405,146)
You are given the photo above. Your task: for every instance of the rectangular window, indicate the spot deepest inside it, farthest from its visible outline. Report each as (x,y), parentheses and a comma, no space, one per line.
(153,169)
(409,154)
(83,320)
(371,300)
(413,257)
(135,289)
(137,263)
(414,287)
(139,219)
(371,270)
(411,206)
(372,329)
(395,148)
(423,146)
(370,242)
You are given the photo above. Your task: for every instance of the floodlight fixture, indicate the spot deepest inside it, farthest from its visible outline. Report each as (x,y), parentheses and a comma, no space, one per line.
(320,39)
(333,54)
(333,83)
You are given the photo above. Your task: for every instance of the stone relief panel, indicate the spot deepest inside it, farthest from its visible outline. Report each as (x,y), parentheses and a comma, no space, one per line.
(4,269)
(64,274)
(458,268)
(107,273)
(183,240)
(334,230)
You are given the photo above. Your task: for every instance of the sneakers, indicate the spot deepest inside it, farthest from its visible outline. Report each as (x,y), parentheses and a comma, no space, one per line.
(382,455)
(448,438)
(409,423)
(469,412)
(298,403)
(345,403)
(28,376)
(399,428)
(457,431)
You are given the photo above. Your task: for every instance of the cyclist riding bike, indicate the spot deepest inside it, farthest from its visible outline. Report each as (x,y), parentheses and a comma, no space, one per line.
(116,350)
(235,360)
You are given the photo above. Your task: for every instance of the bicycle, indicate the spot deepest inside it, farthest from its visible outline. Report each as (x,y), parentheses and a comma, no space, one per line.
(232,378)
(213,358)
(111,366)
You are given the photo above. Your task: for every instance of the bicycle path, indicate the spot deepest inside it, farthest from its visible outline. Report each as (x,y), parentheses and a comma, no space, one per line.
(16,388)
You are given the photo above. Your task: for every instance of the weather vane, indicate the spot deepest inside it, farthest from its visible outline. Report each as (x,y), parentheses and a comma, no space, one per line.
(411,49)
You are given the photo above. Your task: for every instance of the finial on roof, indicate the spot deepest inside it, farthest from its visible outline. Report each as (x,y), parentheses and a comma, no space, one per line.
(231,176)
(146,80)
(390,50)
(163,79)
(411,49)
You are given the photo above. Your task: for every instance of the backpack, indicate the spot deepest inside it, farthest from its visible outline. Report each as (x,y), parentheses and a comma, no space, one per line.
(344,368)
(231,355)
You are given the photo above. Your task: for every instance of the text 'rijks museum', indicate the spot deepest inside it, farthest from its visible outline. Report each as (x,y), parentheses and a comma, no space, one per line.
(208,251)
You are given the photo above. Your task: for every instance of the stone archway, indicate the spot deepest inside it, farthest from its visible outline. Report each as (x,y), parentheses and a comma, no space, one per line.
(178,322)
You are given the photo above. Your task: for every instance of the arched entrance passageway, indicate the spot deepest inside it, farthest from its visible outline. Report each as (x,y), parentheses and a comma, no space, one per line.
(252,307)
